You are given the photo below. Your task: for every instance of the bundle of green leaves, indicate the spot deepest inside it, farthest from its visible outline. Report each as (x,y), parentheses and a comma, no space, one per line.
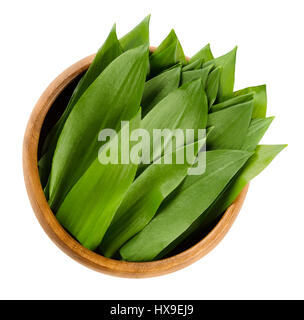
(143,212)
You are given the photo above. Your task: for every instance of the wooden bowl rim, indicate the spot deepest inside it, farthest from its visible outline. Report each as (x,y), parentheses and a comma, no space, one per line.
(68,244)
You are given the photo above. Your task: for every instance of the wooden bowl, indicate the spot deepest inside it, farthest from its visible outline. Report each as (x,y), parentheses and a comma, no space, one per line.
(67,243)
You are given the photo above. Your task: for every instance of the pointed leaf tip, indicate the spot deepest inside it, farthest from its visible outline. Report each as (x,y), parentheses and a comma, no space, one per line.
(137,36)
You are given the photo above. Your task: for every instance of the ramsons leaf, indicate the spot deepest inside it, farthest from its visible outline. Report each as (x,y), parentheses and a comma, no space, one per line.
(205,54)
(167,54)
(187,203)
(230,126)
(191,75)
(227,63)
(89,207)
(256,131)
(184,108)
(110,50)
(262,157)
(137,37)
(195,65)
(260,100)
(114,96)
(145,195)
(159,87)
(212,85)
(232,102)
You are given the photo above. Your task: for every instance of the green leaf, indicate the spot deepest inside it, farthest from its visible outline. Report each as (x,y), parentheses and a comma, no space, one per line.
(205,53)
(159,87)
(230,126)
(260,100)
(106,54)
(187,203)
(256,131)
(227,62)
(89,207)
(44,167)
(167,54)
(145,196)
(184,108)
(261,158)
(114,96)
(212,85)
(232,102)
(191,75)
(195,65)
(137,37)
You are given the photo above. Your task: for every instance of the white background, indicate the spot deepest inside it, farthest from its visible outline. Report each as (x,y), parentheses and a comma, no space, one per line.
(262,256)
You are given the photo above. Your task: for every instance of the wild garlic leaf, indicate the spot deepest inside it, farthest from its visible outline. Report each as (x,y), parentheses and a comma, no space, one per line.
(114,96)
(256,131)
(230,126)
(159,87)
(262,157)
(195,65)
(89,207)
(109,51)
(189,200)
(145,196)
(212,85)
(137,37)
(167,54)
(205,53)
(227,63)
(184,108)
(232,102)
(44,165)
(191,75)
(260,100)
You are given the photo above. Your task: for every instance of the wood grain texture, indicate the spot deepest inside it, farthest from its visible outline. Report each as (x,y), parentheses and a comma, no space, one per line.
(68,244)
